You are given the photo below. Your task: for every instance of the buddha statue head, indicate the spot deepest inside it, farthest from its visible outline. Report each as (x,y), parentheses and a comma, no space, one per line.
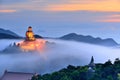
(29,28)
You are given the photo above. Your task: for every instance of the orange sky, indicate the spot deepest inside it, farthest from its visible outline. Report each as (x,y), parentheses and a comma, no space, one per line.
(89,5)
(67,6)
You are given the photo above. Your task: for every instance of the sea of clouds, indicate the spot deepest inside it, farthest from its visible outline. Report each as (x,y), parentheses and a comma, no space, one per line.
(60,55)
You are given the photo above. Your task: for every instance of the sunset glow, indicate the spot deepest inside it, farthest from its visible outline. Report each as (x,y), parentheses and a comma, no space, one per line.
(68,5)
(103,6)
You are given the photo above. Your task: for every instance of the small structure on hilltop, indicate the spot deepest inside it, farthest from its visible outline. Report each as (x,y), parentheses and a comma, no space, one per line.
(91,68)
(16,76)
(92,64)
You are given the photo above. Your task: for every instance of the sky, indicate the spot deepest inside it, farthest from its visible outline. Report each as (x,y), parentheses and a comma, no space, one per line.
(54,18)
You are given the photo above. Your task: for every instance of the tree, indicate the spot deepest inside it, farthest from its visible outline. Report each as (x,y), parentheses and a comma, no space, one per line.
(71,67)
(117,65)
(109,78)
(118,76)
(65,78)
(107,64)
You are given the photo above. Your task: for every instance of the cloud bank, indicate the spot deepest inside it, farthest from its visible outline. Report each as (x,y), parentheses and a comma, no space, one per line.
(62,54)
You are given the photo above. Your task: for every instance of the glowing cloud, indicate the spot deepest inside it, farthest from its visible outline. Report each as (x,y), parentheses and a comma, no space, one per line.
(114,16)
(7,11)
(104,6)
(110,18)
(69,5)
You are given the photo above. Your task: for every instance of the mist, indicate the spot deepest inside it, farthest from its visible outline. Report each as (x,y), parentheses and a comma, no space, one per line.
(59,56)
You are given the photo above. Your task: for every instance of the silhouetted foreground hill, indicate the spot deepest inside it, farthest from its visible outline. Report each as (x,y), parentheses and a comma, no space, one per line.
(106,71)
(7,34)
(89,39)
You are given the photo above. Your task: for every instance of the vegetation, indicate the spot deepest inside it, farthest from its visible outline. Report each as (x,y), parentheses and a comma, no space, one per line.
(106,71)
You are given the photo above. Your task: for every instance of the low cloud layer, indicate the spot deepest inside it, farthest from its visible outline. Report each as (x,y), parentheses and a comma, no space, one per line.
(58,56)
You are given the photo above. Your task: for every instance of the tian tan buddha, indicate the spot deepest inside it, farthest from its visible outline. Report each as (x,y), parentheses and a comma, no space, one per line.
(30,34)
